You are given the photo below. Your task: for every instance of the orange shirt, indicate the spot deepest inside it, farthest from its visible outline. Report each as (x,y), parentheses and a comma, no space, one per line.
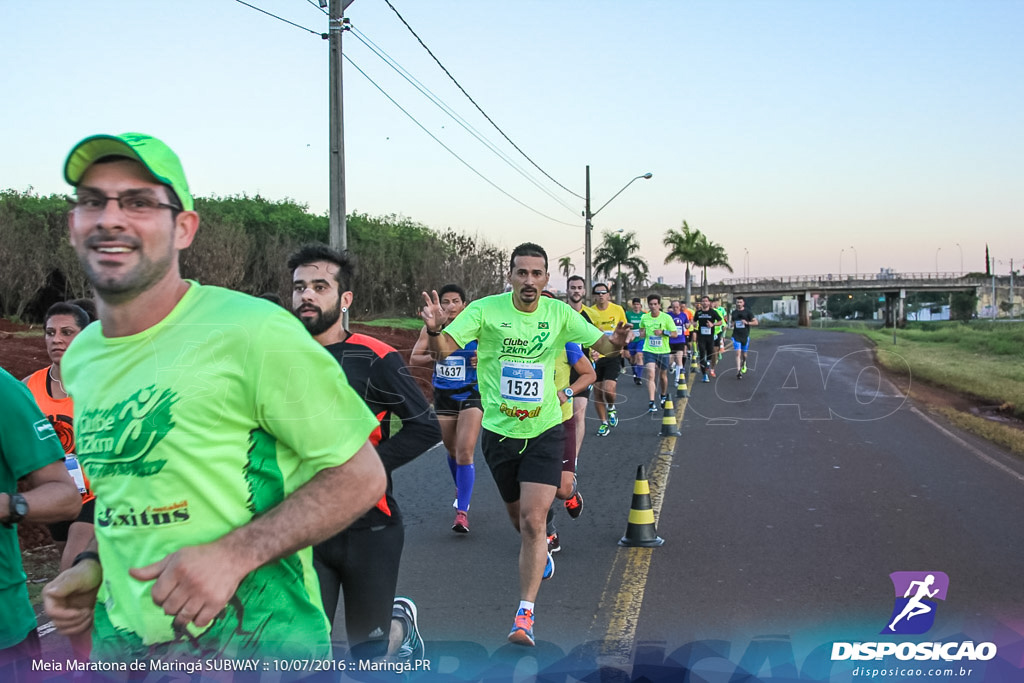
(59,411)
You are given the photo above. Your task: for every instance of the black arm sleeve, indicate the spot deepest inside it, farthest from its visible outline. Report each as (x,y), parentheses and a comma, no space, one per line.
(392,390)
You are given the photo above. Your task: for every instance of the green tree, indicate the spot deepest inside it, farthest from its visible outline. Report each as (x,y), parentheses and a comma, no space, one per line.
(709,255)
(565,266)
(682,245)
(618,251)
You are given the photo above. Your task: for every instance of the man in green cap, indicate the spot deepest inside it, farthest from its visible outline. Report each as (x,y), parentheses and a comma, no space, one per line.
(220,439)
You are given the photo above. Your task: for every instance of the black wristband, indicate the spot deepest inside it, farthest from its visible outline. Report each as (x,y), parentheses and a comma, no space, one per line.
(434,334)
(85,555)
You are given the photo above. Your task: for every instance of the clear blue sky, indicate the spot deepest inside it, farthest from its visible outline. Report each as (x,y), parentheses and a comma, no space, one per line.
(804,136)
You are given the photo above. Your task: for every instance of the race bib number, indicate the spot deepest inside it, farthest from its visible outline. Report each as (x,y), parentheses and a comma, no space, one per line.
(71,462)
(740,324)
(679,330)
(654,342)
(453,368)
(705,330)
(522,382)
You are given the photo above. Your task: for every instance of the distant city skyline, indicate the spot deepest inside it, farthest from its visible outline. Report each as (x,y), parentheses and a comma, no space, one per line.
(804,137)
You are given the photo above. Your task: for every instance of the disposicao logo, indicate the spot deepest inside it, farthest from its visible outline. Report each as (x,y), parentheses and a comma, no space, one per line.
(913,613)
(914,609)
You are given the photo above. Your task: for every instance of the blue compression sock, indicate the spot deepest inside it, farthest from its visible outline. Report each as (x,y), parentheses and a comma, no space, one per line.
(465,476)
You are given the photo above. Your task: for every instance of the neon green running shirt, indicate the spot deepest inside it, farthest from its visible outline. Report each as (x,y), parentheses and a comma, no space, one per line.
(516,359)
(652,342)
(187,431)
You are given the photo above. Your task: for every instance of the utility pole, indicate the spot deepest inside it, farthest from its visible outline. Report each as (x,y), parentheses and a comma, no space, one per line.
(336,25)
(589,227)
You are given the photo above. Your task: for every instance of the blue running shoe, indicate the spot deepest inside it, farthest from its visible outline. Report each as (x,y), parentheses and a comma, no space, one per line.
(549,568)
(522,629)
(613,418)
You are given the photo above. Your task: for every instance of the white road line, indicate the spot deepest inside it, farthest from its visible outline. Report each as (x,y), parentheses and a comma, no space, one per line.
(980,455)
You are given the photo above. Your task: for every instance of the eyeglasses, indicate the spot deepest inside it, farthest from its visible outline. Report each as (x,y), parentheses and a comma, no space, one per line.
(601,293)
(136,205)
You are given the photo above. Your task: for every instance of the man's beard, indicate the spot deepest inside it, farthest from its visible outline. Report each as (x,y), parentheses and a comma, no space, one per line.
(323,320)
(575,297)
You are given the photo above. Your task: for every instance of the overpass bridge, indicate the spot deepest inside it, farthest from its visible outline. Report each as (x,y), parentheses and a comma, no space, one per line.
(894,286)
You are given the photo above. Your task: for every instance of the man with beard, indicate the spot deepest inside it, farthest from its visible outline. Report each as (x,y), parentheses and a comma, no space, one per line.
(363,559)
(521,335)
(577,289)
(606,316)
(211,481)
(705,320)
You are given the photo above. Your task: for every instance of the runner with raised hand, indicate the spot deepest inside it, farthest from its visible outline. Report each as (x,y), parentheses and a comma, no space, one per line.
(521,335)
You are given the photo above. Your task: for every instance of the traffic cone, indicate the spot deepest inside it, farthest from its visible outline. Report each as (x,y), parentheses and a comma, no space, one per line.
(682,391)
(668,419)
(640,531)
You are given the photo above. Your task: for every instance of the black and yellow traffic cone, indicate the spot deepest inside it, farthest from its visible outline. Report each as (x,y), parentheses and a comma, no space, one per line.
(668,419)
(640,531)
(682,391)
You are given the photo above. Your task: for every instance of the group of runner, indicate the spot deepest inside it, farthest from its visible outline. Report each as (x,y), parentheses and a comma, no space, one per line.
(179,567)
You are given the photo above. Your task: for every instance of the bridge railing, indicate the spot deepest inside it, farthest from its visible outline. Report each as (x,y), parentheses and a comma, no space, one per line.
(864,279)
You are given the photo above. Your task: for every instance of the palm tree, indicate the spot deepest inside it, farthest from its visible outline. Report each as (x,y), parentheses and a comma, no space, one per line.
(618,251)
(565,266)
(709,255)
(682,246)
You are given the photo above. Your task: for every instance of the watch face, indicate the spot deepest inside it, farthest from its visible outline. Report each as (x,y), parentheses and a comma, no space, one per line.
(19,505)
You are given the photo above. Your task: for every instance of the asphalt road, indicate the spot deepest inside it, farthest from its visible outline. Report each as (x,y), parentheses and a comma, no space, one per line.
(785,504)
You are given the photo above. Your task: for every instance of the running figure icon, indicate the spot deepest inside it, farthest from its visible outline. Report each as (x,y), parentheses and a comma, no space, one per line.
(916,605)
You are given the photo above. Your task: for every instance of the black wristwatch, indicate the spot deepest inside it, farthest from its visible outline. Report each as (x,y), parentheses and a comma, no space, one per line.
(17,509)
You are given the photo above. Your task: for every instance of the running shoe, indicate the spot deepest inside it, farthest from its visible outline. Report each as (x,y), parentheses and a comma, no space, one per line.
(461,524)
(549,568)
(711,372)
(664,397)
(744,369)
(554,545)
(613,418)
(604,429)
(522,628)
(719,356)
(652,407)
(574,506)
(705,378)
(412,646)
(637,381)
(739,375)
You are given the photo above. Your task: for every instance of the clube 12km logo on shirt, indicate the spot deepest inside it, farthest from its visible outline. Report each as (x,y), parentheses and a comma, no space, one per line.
(914,611)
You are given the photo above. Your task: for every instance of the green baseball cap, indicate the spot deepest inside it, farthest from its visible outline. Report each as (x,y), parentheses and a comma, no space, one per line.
(157,157)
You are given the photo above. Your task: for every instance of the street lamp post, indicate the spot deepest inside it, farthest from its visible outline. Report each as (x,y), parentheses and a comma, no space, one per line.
(589,226)
(961,257)
(937,261)
(856,268)
(841,263)
(746,262)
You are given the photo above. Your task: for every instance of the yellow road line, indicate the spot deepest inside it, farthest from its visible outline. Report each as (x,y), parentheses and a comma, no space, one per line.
(623,594)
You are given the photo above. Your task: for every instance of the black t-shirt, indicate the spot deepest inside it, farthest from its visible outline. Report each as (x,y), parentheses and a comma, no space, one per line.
(741,323)
(380,377)
(706,321)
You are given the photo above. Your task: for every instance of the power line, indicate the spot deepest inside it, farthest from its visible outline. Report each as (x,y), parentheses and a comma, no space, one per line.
(317,6)
(440,104)
(449,150)
(292,23)
(548,176)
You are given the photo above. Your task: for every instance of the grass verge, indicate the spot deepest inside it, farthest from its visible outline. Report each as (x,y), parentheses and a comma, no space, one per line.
(984,362)
(398,323)
(1010,438)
